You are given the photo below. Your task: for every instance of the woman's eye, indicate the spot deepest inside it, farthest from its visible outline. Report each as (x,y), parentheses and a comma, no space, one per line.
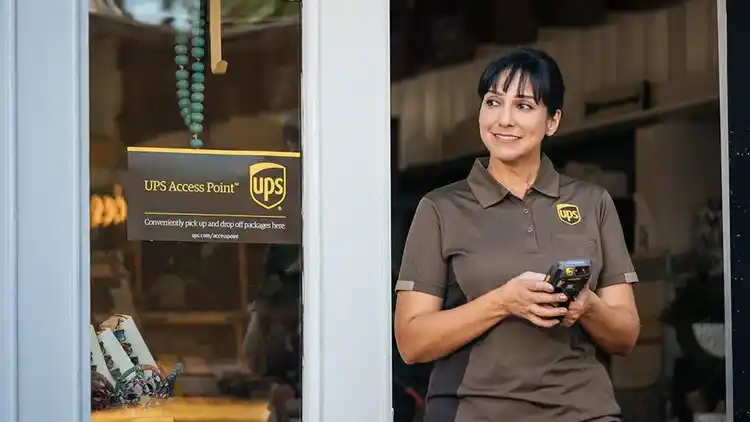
(492,103)
(524,106)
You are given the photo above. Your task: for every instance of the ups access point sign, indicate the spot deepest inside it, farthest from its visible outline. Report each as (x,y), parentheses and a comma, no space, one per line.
(214,195)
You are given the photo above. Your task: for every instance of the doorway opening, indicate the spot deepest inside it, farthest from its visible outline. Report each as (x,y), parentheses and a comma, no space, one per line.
(641,119)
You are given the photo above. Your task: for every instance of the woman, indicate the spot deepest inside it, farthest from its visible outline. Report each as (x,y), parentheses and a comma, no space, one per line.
(471,295)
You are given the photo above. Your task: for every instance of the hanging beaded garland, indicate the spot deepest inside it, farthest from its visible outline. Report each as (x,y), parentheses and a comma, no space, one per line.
(190,83)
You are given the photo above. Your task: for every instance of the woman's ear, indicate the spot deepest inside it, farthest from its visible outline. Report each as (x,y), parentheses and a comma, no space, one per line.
(553,123)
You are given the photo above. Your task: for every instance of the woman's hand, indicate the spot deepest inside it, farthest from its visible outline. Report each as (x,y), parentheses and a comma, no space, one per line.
(528,296)
(578,307)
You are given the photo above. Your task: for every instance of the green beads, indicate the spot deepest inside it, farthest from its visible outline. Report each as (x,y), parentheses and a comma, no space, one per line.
(196,128)
(190,83)
(180,39)
(198,52)
(181,59)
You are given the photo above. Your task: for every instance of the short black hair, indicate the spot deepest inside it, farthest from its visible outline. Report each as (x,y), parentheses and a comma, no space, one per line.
(535,66)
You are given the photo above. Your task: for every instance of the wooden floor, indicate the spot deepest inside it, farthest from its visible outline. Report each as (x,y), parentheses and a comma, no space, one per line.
(193,409)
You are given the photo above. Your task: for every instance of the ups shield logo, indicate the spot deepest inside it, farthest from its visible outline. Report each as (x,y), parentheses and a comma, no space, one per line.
(268,184)
(569,214)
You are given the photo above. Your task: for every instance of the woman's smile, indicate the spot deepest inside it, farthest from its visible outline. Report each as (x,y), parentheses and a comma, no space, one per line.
(505,137)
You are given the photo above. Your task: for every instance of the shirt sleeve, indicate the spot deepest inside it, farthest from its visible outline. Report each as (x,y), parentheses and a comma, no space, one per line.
(617,267)
(423,268)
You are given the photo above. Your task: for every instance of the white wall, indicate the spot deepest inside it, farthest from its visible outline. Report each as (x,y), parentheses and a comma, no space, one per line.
(678,167)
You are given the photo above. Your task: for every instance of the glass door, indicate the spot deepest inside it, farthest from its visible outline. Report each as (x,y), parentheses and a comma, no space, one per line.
(195,204)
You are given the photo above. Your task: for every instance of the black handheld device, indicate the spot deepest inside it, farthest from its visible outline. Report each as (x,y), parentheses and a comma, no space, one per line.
(569,277)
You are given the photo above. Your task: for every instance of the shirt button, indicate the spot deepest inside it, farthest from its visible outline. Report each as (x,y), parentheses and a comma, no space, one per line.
(530,229)
(526,211)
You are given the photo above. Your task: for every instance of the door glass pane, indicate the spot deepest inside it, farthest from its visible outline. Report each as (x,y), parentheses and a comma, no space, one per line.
(222,306)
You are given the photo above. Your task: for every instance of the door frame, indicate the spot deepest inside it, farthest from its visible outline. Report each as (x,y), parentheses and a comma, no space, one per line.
(44,251)
(44,210)
(346,211)
(725,204)
(8,350)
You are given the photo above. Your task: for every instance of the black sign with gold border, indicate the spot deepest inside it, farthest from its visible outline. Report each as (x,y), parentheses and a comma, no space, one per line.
(203,195)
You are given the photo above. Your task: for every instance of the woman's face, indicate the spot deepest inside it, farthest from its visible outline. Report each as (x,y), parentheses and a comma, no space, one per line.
(512,125)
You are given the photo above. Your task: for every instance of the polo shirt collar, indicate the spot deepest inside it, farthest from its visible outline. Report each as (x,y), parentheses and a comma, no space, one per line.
(548,180)
(489,192)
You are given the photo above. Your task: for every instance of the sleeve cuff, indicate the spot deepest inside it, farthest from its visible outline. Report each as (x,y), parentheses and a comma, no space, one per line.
(412,286)
(618,278)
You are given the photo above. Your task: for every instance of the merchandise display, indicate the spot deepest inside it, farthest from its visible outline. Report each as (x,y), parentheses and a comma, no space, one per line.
(123,371)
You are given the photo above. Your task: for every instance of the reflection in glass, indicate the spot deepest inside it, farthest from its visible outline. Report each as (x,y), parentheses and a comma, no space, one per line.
(178,13)
(228,313)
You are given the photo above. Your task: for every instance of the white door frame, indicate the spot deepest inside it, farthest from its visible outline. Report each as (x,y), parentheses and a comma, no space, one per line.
(346,204)
(8,379)
(44,246)
(44,197)
(729,333)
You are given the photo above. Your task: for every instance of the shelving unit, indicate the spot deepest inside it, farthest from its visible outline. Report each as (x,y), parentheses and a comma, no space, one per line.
(236,318)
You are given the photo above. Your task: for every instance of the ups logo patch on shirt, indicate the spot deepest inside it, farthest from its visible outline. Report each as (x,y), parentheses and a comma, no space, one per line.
(569,214)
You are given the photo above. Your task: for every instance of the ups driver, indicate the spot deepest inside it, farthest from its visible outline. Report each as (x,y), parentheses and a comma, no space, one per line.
(471,296)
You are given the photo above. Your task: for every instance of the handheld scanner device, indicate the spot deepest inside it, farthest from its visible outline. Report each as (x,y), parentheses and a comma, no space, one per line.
(569,277)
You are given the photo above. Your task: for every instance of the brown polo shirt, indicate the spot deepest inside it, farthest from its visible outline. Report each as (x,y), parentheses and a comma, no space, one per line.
(472,236)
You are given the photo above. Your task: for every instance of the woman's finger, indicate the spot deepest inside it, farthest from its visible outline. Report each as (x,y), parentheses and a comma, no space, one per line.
(575,306)
(542,322)
(547,311)
(530,275)
(539,286)
(570,319)
(549,298)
